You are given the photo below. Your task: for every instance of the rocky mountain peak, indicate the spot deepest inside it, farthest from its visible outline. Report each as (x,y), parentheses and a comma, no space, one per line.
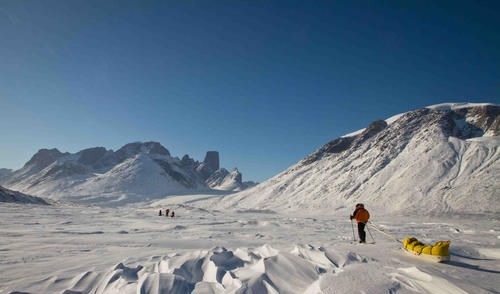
(222,179)
(135,148)
(212,160)
(91,155)
(373,129)
(44,157)
(236,176)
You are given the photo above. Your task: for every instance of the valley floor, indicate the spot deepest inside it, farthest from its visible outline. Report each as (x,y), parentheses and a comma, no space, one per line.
(80,249)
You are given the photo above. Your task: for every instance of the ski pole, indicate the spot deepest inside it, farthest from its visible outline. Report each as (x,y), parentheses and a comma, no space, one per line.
(368,229)
(353,236)
(388,235)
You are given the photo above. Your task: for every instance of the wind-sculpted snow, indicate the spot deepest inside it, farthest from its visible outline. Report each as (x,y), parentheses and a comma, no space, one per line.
(65,249)
(219,270)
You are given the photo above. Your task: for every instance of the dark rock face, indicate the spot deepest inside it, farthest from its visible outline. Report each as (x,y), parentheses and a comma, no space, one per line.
(132,149)
(212,160)
(92,155)
(156,148)
(187,161)
(336,146)
(7,195)
(373,129)
(344,143)
(176,175)
(67,169)
(217,177)
(488,118)
(44,157)
(476,121)
(204,171)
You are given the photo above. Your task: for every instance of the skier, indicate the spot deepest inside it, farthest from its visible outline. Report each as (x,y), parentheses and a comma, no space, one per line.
(361,215)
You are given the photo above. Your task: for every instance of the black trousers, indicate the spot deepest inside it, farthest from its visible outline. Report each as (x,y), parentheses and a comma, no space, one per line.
(361,232)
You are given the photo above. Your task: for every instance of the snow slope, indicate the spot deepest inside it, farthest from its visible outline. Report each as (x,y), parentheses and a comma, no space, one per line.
(439,159)
(227,181)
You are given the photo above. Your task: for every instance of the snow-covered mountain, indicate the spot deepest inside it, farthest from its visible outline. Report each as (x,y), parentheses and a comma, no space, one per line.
(4,173)
(442,158)
(135,172)
(222,179)
(7,195)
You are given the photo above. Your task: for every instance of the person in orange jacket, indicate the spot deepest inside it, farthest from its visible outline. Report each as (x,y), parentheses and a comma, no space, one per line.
(361,215)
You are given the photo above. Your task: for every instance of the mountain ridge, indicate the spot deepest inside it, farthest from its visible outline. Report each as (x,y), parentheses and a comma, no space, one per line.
(437,159)
(137,171)
(10,196)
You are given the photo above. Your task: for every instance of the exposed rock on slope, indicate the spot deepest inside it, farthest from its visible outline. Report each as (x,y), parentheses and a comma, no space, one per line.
(438,159)
(7,195)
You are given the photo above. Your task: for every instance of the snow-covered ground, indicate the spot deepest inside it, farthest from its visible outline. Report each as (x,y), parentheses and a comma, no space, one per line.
(81,249)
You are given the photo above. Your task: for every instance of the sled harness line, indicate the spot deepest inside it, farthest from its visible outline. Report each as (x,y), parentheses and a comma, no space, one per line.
(380,231)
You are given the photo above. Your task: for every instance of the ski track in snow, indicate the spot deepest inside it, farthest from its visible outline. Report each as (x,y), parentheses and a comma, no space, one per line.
(79,249)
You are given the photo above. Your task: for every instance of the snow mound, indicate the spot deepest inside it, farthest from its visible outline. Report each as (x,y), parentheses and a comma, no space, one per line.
(244,270)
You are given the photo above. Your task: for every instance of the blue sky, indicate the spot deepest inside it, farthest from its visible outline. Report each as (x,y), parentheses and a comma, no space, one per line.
(263,82)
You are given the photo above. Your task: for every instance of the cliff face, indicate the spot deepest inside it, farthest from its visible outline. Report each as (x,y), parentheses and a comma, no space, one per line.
(212,160)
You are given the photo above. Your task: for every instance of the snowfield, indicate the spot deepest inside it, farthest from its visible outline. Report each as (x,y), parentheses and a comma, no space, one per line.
(81,249)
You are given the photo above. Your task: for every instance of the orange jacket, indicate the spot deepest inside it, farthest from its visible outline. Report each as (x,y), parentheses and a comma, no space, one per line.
(361,215)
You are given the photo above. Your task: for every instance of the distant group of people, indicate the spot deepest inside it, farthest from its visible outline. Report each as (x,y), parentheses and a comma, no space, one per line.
(167,213)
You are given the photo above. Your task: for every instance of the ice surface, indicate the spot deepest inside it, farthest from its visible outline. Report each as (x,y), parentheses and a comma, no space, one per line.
(80,249)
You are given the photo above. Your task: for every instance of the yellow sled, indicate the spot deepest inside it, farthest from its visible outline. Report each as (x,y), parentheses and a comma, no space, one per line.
(439,252)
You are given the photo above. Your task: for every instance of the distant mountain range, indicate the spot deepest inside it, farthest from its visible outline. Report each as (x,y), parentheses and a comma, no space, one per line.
(136,172)
(439,159)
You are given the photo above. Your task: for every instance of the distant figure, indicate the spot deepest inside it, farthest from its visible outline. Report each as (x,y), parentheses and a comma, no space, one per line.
(173,214)
(166,212)
(361,215)
(159,214)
